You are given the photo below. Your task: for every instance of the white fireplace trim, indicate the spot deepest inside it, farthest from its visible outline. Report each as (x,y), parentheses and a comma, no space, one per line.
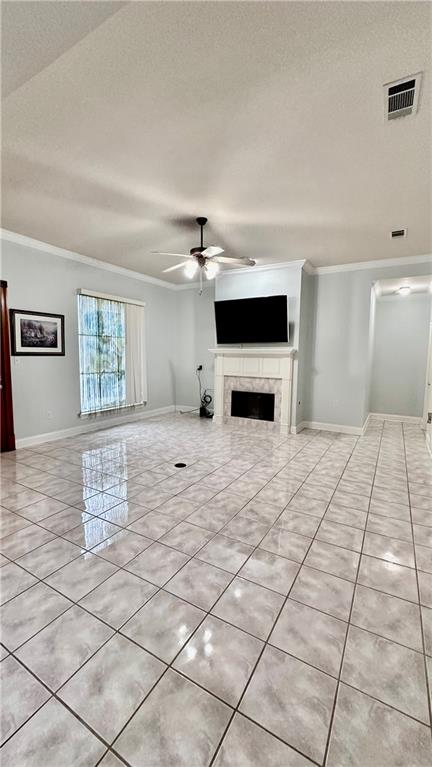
(270,362)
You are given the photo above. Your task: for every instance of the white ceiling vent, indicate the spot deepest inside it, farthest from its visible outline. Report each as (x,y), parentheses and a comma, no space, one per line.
(401,96)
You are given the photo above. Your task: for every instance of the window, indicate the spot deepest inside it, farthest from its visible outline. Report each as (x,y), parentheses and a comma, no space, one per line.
(102,353)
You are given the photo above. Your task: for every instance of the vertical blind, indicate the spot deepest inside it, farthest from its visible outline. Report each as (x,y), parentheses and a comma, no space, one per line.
(102,352)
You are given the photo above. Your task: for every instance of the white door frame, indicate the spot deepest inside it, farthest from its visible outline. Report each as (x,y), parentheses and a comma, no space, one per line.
(428,384)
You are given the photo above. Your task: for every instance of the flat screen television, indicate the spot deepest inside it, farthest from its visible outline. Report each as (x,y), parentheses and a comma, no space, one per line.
(252,320)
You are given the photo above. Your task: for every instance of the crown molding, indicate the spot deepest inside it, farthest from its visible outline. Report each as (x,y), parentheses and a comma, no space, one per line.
(383,263)
(298,264)
(29,242)
(308,268)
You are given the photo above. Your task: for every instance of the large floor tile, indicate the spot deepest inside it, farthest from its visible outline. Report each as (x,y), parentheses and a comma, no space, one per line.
(311,636)
(269,570)
(11,523)
(187,538)
(122,547)
(261,512)
(248,745)
(246,530)
(76,579)
(286,543)
(250,607)
(50,557)
(21,696)
(367,733)
(387,616)
(220,658)
(390,549)
(333,559)
(29,612)
(297,522)
(387,671)
(388,577)
(60,649)
(153,525)
(179,724)
(225,553)
(292,700)
(118,677)
(157,563)
(42,509)
(52,737)
(14,580)
(24,540)
(199,583)
(91,533)
(65,520)
(340,535)
(325,592)
(163,625)
(427,629)
(118,598)
(394,528)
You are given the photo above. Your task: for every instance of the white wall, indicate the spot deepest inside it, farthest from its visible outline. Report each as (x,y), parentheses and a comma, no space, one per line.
(46,389)
(400,354)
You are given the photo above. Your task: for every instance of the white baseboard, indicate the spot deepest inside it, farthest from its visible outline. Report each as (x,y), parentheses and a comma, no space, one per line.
(297,429)
(337,427)
(393,417)
(186,408)
(96,425)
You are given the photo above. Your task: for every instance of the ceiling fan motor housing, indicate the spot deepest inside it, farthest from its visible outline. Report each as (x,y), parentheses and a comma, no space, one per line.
(197,253)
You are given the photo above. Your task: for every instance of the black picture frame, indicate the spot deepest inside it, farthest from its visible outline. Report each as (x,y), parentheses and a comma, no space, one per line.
(38,347)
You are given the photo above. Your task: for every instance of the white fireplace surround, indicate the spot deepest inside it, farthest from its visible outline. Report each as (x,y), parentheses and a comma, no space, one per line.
(235,367)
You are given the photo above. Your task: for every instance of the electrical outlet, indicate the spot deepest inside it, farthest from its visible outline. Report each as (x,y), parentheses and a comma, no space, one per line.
(49,415)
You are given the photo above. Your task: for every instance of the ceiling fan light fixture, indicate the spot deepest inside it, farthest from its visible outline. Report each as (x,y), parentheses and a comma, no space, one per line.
(211,270)
(190,269)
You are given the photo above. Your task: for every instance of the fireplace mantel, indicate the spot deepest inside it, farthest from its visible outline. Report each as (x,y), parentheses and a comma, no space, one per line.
(254,351)
(267,362)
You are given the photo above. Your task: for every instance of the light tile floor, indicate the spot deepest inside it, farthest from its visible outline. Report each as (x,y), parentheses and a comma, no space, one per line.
(259,608)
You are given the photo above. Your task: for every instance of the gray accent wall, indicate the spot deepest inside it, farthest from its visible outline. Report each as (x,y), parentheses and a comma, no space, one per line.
(46,389)
(400,354)
(195,333)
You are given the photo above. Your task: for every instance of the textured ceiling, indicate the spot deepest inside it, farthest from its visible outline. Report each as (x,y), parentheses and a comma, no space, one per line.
(123,121)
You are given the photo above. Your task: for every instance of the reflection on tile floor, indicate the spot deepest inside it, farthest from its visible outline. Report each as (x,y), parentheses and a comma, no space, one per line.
(269,605)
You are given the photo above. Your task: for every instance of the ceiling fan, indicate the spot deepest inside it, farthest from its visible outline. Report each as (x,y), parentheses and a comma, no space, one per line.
(204,260)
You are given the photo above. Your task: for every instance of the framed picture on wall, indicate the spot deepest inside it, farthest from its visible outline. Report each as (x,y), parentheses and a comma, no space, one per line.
(36,334)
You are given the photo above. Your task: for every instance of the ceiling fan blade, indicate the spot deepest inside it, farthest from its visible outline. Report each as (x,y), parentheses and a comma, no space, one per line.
(212,250)
(177,266)
(178,255)
(229,260)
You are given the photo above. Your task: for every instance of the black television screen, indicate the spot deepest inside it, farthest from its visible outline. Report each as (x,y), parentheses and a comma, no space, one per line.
(252,320)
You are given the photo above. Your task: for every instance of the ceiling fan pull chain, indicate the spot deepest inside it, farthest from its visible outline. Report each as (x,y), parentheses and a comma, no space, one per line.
(200,276)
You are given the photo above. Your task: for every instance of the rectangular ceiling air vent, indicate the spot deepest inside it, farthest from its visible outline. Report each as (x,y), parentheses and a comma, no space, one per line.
(399,233)
(401,96)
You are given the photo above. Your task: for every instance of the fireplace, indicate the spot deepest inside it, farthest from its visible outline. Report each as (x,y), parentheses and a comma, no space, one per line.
(252,404)
(251,374)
